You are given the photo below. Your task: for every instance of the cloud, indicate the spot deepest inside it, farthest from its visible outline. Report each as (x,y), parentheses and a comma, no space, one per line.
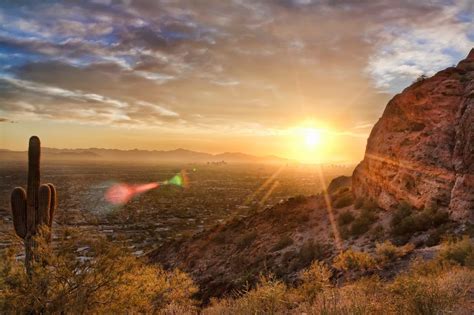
(407,50)
(363,126)
(30,100)
(6,120)
(161,111)
(62,93)
(240,63)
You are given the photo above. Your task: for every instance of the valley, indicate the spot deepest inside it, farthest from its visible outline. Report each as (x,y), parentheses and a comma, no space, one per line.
(215,194)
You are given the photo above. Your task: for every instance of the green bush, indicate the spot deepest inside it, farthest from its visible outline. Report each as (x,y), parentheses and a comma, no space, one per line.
(405,221)
(309,252)
(284,242)
(363,222)
(345,217)
(358,203)
(343,201)
(246,240)
(302,218)
(469,229)
(435,236)
(220,237)
(369,204)
(378,232)
(460,251)
(296,200)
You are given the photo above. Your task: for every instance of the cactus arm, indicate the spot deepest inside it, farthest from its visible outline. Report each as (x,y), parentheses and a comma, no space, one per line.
(54,203)
(18,205)
(34,155)
(44,204)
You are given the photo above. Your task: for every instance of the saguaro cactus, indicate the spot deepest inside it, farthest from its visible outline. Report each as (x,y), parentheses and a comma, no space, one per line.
(35,207)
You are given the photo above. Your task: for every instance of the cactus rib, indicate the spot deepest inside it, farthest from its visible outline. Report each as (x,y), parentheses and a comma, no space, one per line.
(18,204)
(44,204)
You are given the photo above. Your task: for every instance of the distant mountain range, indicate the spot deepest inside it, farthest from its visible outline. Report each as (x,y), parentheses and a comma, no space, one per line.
(178,155)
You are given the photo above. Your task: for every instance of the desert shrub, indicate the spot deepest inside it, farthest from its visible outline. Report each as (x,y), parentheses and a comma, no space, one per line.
(289,255)
(314,280)
(296,200)
(363,296)
(369,204)
(270,296)
(363,222)
(302,218)
(420,267)
(220,237)
(344,200)
(426,288)
(247,239)
(435,236)
(421,78)
(104,279)
(339,184)
(377,232)
(351,260)
(358,203)
(460,251)
(387,252)
(405,221)
(441,293)
(310,251)
(399,222)
(438,217)
(344,232)
(284,242)
(345,217)
(469,229)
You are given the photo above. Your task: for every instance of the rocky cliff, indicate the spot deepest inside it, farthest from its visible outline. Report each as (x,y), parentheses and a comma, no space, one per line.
(422,148)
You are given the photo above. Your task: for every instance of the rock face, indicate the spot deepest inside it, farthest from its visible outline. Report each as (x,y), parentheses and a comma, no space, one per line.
(422,148)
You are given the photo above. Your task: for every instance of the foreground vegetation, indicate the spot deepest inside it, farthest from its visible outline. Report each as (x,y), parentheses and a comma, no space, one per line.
(89,276)
(440,286)
(84,276)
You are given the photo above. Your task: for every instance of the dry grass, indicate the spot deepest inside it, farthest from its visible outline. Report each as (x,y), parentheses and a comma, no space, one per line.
(386,252)
(440,286)
(351,260)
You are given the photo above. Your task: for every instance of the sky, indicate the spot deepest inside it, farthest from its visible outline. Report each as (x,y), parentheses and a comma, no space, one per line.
(217,76)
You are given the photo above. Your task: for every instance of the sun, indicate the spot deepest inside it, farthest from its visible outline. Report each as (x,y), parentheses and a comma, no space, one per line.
(312,137)
(308,142)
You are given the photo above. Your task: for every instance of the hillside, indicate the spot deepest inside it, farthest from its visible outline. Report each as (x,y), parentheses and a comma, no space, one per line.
(417,167)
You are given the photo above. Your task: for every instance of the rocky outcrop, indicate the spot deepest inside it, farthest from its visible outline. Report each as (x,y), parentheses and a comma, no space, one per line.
(422,148)
(338,183)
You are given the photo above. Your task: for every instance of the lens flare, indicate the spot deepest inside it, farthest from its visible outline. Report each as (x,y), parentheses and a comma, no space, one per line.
(180,179)
(121,193)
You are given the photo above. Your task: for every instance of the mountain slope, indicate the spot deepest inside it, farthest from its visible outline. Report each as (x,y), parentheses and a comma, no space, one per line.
(420,151)
(178,155)
(281,240)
